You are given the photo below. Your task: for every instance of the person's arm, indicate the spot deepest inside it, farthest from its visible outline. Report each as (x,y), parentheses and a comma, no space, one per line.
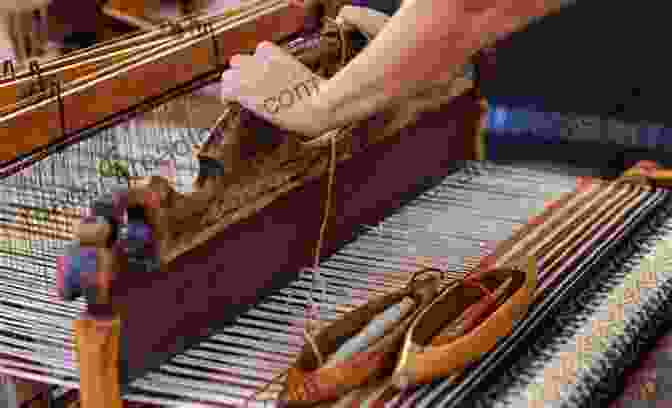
(422,43)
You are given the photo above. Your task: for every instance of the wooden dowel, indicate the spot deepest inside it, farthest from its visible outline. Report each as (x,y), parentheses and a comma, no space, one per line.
(100,49)
(15,92)
(124,58)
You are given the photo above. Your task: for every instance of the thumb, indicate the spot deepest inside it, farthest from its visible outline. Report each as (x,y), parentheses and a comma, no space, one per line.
(367,20)
(230,85)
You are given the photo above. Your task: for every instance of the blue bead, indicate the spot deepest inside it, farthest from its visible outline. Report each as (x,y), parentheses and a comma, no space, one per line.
(139,232)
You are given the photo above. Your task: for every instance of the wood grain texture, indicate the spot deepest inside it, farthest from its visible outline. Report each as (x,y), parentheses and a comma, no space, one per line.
(98,350)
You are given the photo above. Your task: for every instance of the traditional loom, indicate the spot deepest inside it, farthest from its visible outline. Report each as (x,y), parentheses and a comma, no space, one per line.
(225,313)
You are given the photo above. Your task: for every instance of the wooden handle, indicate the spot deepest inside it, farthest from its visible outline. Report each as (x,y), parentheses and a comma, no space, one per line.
(97,346)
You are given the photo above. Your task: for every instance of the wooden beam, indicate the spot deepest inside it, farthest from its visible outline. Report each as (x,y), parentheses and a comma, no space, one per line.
(115,50)
(133,12)
(19,90)
(97,346)
(130,19)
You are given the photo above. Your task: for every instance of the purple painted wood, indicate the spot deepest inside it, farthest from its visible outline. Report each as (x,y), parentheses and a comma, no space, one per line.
(205,288)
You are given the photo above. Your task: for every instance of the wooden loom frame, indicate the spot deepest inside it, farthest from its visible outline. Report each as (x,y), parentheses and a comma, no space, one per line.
(113,353)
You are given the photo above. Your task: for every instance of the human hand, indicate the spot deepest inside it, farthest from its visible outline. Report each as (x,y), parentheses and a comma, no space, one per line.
(314,12)
(317,9)
(367,20)
(276,87)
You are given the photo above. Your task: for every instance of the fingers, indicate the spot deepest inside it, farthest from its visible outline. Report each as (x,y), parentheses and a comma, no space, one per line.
(268,83)
(264,49)
(270,52)
(365,19)
(239,60)
(282,65)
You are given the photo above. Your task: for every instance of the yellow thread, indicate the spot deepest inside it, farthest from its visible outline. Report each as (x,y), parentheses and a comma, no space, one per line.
(318,249)
(345,53)
(313,344)
(327,209)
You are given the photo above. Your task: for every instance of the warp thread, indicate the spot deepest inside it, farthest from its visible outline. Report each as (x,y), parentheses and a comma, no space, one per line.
(312,310)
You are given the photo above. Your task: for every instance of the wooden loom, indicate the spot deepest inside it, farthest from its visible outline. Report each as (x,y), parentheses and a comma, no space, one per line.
(115,352)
